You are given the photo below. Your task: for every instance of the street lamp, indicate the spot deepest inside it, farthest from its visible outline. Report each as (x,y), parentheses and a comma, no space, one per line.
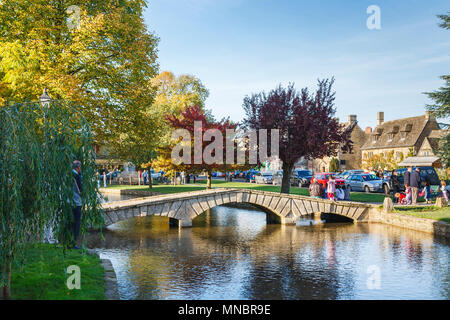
(45,99)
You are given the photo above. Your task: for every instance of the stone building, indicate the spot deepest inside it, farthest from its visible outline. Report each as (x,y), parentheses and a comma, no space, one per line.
(347,160)
(407,136)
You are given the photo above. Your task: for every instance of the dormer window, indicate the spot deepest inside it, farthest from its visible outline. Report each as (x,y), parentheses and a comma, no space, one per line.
(390,136)
(375,138)
(403,135)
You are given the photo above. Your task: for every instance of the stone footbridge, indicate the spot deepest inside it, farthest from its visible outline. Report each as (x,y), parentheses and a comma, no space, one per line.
(181,208)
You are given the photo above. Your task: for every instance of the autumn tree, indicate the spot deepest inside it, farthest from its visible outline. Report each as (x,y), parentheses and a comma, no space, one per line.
(212,143)
(306,123)
(97,53)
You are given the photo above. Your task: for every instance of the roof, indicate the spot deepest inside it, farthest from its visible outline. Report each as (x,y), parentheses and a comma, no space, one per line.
(418,161)
(413,127)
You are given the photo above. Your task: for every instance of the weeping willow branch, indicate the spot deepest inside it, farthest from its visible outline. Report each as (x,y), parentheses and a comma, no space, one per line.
(38,145)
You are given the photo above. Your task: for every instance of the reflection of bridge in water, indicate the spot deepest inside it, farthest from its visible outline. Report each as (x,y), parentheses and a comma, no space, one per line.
(181,208)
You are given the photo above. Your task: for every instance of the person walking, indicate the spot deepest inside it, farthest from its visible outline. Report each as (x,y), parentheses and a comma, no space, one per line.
(415,183)
(315,190)
(77,203)
(395,185)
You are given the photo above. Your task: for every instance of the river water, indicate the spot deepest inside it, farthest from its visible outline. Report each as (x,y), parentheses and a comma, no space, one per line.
(231,253)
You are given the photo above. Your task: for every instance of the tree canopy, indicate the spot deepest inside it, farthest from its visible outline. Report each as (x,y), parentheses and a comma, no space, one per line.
(306,123)
(441,97)
(97,53)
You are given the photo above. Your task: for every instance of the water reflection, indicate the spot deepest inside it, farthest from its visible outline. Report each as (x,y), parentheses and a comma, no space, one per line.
(230,253)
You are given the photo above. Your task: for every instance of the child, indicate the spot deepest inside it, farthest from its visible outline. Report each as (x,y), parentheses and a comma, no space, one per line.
(408,195)
(331,188)
(444,190)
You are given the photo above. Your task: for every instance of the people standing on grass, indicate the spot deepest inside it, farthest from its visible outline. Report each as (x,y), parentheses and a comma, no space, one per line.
(315,189)
(340,193)
(145,177)
(407,179)
(395,183)
(346,193)
(77,203)
(331,188)
(427,189)
(415,183)
(444,190)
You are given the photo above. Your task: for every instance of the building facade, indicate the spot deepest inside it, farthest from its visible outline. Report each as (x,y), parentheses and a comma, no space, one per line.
(402,138)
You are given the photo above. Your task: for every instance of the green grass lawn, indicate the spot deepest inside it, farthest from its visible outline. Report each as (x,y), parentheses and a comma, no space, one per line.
(430,212)
(43,277)
(200,185)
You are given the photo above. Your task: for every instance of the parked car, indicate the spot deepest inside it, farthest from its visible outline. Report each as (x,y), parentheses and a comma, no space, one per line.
(264,177)
(344,175)
(424,172)
(277,178)
(323,178)
(301,178)
(364,182)
(155,175)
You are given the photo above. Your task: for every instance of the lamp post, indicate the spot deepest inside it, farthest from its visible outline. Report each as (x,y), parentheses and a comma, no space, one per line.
(45,99)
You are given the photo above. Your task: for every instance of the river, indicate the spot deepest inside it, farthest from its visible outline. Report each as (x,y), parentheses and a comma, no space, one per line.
(231,253)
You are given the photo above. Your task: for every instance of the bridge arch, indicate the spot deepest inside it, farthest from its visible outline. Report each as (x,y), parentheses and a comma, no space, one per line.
(183,207)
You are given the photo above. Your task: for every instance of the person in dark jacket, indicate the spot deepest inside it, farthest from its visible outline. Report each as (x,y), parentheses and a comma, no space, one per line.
(415,183)
(77,203)
(395,185)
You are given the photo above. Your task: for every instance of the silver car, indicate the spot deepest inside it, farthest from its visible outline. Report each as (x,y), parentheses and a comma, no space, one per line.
(364,182)
(264,177)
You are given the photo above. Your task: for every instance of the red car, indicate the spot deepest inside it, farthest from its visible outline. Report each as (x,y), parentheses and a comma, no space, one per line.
(323,178)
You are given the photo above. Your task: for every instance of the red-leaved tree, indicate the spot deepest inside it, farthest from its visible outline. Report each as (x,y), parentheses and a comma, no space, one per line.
(306,123)
(186,121)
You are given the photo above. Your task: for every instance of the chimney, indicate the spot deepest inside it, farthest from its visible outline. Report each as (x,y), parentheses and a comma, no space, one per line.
(380,117)
(352,118)
(429,115)
(368,130)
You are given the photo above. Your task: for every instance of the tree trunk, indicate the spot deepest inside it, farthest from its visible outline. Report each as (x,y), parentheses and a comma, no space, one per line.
(208,180)
(150,181)
(286,181)
(6,290)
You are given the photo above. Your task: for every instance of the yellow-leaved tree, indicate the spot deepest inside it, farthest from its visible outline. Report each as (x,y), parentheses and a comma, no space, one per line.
(97,53)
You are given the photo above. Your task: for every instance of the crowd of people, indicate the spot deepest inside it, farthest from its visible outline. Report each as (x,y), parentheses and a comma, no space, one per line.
(414,186)
(331,191)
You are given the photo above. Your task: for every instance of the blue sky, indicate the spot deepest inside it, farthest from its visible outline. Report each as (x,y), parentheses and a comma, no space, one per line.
(239,47)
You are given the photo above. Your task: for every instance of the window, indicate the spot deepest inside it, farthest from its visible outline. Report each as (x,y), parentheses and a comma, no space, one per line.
(343,162)
(403,135)
(390,136)
(374,138)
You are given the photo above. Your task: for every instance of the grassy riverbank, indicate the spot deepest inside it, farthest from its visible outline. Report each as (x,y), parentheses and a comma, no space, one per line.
(429,212)
(355,196)
(42,275)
